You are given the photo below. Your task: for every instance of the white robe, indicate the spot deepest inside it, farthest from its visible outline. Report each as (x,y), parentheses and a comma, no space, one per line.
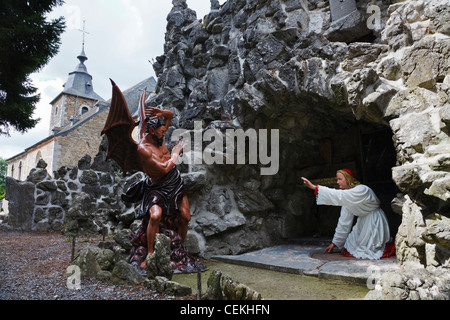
(370,234)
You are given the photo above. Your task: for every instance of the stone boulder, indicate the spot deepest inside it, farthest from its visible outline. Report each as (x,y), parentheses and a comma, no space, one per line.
(409,244)
(214,290)
(349,28)
(439,14)
(164,285)
(235,290)
(223,287)
(426,63)
(20,197)
(108,261)
(158,263)
(416,284)
(79,218)
(38,174)
(219,213)
(252,200)
(437,231)
(437,238)
(125,273)
(122,238)
(92,260)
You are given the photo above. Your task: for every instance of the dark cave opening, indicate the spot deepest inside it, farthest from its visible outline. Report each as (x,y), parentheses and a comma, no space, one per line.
(365,148)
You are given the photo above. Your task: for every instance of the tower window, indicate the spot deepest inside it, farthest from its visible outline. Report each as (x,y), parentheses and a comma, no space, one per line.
(84,109)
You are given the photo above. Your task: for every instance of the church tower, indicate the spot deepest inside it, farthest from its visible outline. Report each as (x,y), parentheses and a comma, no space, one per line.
(77,97)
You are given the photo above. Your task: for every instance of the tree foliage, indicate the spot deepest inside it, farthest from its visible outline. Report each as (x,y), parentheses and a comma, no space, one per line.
(3,170)
(28,41)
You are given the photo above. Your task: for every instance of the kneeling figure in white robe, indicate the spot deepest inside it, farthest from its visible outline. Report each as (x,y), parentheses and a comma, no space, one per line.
(368,238)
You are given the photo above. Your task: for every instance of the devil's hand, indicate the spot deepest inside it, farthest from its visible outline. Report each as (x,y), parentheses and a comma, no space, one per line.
(154,113)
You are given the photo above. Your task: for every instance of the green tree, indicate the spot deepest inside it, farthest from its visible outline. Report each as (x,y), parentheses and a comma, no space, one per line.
(3,170)
(28,41)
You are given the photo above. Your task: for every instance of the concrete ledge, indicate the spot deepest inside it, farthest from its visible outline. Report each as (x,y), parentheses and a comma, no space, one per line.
(310,261)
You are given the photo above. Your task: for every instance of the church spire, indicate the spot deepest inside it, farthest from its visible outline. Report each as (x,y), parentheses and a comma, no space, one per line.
(82,57)
(79,83)
(84,33)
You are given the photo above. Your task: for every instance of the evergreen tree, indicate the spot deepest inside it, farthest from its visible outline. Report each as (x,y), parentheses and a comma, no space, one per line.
(28,41)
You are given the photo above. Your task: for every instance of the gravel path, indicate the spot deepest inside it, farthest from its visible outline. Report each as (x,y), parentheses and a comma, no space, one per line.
(33,265)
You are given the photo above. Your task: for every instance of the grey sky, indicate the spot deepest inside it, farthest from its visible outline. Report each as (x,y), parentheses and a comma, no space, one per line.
(123,35)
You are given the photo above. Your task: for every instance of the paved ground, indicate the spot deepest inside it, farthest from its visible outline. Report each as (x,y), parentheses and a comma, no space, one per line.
(307,258)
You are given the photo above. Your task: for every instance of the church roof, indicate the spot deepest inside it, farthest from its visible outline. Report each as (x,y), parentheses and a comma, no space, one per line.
(79,82)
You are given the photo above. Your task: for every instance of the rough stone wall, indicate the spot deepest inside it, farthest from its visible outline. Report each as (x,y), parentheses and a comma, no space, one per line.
(46,203)
(418,116)
(83,140)
(285,64)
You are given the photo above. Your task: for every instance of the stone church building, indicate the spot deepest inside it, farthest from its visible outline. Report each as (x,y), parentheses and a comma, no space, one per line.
(78,115)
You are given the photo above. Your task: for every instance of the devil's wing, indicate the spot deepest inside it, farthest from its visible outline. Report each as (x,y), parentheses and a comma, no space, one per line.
(118,129)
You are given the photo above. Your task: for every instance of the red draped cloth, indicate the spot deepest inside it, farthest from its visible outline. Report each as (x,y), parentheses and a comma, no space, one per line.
(389,251)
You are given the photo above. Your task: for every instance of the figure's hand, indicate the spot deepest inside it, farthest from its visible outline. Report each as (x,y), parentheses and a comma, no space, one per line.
(154,113)
(330,248)
(308,183)
(178,148)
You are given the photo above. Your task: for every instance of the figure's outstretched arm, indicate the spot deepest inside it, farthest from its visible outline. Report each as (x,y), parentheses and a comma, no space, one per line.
(176,151)
(154,162)
(308,183)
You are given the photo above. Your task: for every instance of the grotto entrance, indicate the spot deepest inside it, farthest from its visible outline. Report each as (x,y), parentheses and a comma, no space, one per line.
(378,157)
(363,147)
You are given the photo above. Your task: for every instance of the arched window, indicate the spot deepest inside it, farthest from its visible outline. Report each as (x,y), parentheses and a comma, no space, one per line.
(20,170)
(84,109)
(12,171)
